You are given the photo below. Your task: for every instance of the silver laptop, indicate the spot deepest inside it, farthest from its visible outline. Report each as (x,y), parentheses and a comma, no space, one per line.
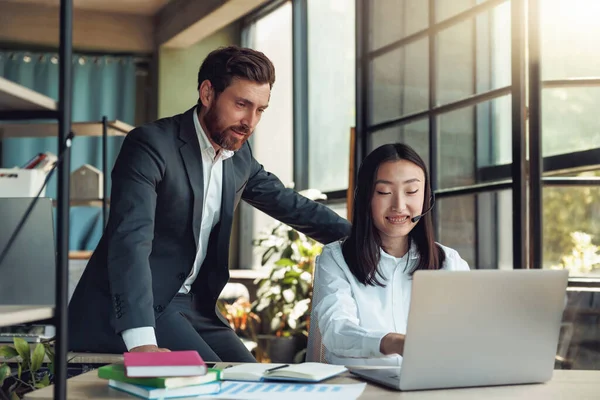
(478,328)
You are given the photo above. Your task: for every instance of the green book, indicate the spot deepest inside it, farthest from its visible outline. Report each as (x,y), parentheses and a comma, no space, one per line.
(116,372)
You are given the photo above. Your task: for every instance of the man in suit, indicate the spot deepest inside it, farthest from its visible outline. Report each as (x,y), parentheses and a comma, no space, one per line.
(153,281)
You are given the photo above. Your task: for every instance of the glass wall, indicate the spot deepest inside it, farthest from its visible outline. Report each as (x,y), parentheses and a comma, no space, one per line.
(447,69)
(440,79)
(331,91)
(273,141)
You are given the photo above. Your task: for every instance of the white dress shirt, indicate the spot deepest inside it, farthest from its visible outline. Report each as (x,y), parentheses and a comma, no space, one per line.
(212,167)
(352,317)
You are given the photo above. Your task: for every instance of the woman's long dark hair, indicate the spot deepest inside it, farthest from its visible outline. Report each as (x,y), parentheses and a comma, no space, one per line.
(361,248)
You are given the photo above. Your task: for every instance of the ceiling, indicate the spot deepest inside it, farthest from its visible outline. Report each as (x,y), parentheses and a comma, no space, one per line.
(139,7)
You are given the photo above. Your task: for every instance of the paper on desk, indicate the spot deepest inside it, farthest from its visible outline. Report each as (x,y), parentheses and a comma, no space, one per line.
(292,391)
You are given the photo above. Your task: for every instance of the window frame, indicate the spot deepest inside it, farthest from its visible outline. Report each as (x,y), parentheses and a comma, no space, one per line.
(527,171)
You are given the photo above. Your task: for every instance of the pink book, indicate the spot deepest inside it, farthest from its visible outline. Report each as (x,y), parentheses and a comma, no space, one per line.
(174,363)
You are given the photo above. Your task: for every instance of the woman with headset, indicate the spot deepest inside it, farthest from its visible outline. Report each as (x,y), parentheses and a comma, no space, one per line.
(363,282)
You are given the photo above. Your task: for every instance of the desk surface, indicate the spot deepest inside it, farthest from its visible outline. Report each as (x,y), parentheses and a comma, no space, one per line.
(564,385)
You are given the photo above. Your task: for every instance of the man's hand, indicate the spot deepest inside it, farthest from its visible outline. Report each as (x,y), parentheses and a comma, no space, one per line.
(148,348)
(392,343)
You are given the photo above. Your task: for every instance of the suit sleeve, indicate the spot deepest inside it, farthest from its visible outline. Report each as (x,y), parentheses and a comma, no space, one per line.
(266,192)
(137,172)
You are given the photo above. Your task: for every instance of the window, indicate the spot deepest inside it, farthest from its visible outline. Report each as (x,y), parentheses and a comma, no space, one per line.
(414,134)
(331,92)
(402,89)
(572,227)
(411,16)
(570,129)
(442,83)
(272,142)
(464,92)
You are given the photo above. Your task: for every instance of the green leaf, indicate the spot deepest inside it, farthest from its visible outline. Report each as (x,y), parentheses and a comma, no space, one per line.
(19,370)
(23,349)
(37,358)
(50,355)
(285,262)
(290,281)
(44,382)
(14,396)
(8,352)
(4,373)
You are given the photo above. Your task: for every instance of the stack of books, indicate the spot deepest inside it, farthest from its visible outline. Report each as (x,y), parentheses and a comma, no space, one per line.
(162,375)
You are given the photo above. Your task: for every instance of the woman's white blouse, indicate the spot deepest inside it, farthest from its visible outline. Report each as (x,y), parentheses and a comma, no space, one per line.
(353,318)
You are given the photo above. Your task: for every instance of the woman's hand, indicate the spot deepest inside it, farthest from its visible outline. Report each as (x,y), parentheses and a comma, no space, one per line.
(392,343)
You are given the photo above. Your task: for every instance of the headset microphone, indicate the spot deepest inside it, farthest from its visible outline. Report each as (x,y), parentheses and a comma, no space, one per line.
(418,217)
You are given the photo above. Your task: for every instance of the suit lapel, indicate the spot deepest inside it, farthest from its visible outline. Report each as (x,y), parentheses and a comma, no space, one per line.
(226,216)
(192,159)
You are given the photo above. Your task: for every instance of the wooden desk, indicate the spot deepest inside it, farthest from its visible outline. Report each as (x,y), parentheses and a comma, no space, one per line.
(566,384)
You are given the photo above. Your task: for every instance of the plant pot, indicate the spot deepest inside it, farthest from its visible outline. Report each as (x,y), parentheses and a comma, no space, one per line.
(277,349)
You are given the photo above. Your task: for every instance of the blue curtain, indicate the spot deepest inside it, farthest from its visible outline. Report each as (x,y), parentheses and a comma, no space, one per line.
(102,86)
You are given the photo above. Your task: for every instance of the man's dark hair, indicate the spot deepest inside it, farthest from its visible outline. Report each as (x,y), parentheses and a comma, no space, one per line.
(224,64)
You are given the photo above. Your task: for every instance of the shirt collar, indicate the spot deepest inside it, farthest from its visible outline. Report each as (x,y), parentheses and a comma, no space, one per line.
(412,254)
(205,144)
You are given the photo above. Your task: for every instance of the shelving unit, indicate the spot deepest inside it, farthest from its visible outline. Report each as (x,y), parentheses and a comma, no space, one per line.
(102,128)
(18,103)
(114,128)
(80,254)
(13,315)
(14,97)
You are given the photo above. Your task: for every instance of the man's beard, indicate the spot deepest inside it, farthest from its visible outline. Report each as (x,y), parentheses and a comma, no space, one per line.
(223,137)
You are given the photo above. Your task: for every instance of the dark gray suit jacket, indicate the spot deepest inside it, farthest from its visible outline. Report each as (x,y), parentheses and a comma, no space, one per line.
(150,241)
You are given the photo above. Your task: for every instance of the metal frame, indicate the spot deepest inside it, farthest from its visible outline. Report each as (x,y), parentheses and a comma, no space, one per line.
(535,137)
(435,27)
(527,171)
(552,165)
(433,125)
(518,102)
(300,92)
(62,248)
(300,82)
(363,76)
(262,11)
(517,90)
(63,116)
(105,172)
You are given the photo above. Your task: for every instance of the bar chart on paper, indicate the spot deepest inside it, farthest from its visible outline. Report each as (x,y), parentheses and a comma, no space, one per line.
(291,391)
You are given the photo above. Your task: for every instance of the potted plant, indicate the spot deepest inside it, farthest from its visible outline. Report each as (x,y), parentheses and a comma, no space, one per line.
(284,295)
(29,375)
(240,316)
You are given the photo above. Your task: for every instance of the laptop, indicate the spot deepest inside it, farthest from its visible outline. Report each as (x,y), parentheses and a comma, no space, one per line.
(478,328)
(28,273)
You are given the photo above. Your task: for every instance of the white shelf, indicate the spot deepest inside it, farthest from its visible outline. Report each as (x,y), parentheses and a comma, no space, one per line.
(80,254)
(13,315)
(15,97)
(114,128)
(84,203)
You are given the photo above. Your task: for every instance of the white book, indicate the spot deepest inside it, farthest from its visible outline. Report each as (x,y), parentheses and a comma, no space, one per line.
(304,372)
